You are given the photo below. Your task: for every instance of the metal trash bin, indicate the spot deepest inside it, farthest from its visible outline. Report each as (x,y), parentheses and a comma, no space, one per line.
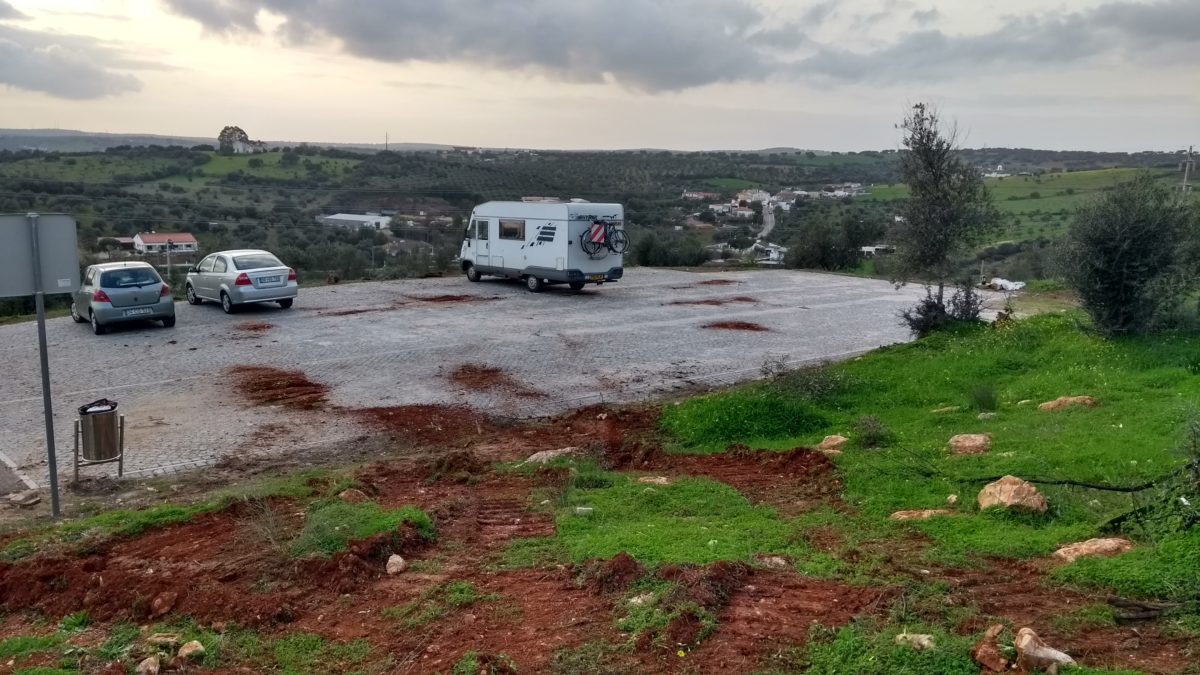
(100,430)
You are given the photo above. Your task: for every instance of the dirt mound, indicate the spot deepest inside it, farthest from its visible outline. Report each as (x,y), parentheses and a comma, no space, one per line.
(793,481)
(698,588)
(474,376)
(453,298)
(272,386)
(717,302)
(773,610)
(456,466)
(427,424)
(737,325)
(615,575)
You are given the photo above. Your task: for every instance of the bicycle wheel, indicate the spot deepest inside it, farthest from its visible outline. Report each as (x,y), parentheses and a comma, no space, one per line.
(590,247)
(618,241)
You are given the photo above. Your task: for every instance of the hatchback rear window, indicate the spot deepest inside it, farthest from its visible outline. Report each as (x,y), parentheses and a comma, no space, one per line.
(256,261)
(129,277)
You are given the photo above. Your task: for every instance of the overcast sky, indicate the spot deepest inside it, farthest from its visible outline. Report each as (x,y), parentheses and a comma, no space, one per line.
(680,74)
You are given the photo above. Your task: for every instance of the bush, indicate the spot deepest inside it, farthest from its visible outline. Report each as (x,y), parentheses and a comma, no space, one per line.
(330,526)
(1125,254)
(927,316)
(984,398)
(870,432)
(966,303)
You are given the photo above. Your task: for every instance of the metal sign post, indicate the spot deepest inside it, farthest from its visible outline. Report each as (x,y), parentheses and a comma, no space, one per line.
(39,254)
(39,302)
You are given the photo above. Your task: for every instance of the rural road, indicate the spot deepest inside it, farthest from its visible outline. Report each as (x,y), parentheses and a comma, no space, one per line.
(620,342)
(768,222)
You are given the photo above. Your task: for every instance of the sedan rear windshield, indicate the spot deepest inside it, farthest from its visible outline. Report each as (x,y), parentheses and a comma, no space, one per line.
(256,261)
(129,277)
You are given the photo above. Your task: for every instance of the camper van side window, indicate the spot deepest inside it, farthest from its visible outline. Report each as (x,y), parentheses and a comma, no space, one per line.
(481,226)
(512,229)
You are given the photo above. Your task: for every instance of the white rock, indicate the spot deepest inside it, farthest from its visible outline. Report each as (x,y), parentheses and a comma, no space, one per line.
(396,564)
(654,480)
(545,456)
(1093,547)
(192,650)
(1011,492)
(583,510)
(1034,655)
(951,500)
(917,641)
(149,666)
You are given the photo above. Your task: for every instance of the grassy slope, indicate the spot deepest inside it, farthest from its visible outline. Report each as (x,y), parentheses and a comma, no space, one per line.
(1145,388)
(85,168)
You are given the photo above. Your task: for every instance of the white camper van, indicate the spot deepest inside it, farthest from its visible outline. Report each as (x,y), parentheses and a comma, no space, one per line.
(546,242)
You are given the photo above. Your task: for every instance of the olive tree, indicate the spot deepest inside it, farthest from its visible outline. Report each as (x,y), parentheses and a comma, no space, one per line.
(1129,255)
(948,211)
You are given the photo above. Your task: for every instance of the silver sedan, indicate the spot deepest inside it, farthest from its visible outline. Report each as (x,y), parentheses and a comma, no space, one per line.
(241,277)
(120,292)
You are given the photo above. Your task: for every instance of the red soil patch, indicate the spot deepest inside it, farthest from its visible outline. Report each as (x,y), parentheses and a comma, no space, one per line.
(717,302)
(771,610)
(253,327)
(263,385)
(792,482)
(473,376)
(1014,590)
(453,298)
(614,576)
(427,424)
(719,282)
(737,325)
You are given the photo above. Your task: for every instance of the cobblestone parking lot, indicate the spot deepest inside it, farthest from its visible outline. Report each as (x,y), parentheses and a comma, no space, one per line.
(395,343)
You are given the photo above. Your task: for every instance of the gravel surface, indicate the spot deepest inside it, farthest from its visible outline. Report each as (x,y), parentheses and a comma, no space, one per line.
(387,343)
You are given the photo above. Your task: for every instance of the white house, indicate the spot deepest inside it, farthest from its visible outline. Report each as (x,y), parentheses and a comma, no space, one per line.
(743,212)
(154,242)
(248,147)
(354,221)
(754,196)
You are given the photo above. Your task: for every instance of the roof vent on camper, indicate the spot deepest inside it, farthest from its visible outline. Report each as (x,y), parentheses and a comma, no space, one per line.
(577,200)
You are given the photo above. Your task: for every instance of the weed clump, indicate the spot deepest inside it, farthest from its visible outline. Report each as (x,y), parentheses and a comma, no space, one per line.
(331,526)
(984,398)
(870,433)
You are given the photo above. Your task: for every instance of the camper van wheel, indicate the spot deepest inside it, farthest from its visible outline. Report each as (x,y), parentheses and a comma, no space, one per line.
(534,284)
(576,285)
(472,273)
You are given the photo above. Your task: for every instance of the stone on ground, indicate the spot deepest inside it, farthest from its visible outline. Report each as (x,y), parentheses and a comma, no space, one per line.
(25,498)
(396,564)
(162,603)
(917,641)
(970,444)
(654,480)
(192,650)
(1093,547)
(832,445)
(164,639)
(925,514)
(546,456)
(1034,655)
(1011,492)
(354,496)
(947,409)
(987,652)
(1069,401)
(148,666)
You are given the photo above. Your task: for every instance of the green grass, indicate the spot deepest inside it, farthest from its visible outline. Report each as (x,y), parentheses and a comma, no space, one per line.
(1144,386)
(222,165)
(306,653)
(1168,569)
(24,645)
(121,637)
(436,603)
(694,520)
(130,522)
(332,524)
(533,552)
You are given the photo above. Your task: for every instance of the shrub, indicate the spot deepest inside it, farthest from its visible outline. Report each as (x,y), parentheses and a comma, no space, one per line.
(330,526)
(927,316)
(1125,254)
(966,303)
(870,432)
(984,398)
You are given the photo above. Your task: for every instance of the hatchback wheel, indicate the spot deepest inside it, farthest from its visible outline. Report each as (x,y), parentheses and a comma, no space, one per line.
(97,327)
(226,303)
(286,304)
(75,314)
(192,298)
(169,322)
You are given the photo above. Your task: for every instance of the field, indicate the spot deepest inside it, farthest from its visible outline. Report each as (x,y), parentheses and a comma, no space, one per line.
(1038,206)
(702,534)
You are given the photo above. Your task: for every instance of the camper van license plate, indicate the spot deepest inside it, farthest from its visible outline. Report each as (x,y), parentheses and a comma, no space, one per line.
(597,277)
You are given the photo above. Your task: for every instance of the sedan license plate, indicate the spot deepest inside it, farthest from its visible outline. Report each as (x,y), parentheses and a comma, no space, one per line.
(597,277)
(269,280)
(138,312)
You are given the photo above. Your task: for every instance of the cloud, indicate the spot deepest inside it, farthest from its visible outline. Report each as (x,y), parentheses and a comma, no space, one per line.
(65,66)
(926,17)
(819,13)
(7,11)
(648,45)
(1130,29)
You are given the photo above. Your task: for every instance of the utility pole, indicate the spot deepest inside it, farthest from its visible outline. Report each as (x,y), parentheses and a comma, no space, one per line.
(1188,165)
(170,279)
